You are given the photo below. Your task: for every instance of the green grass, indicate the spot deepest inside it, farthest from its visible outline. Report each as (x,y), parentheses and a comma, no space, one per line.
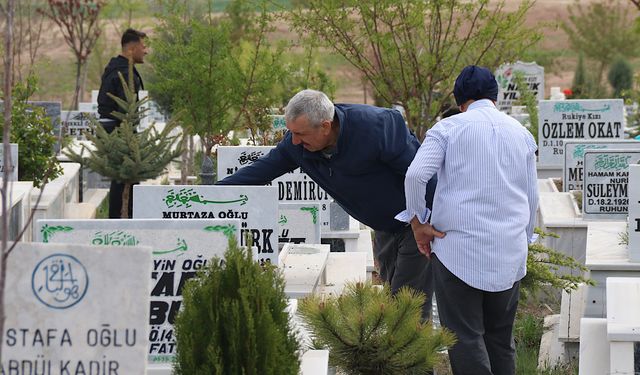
(102,212)
(528,329)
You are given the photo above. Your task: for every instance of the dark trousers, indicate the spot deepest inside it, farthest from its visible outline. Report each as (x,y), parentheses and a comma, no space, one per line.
(482,322)
(115,200)
(401,264)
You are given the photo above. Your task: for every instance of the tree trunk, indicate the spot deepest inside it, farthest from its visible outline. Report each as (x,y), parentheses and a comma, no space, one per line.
(76,93)
(191,155)
(84,69)
(124,211)
(6,135)
(184,158)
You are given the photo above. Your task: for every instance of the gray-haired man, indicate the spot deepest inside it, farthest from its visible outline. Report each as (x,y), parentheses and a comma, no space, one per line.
(359,154)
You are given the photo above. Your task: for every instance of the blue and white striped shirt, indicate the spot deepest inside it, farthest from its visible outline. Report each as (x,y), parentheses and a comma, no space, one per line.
(486,198)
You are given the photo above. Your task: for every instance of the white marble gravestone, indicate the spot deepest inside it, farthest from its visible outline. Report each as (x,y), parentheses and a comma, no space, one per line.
(574,158)
(75,123)
(606,182)
(294,186)
(87,107)
(563,120)
(508,92)
(146,120)
(634,213)
(299,223)
(13,168)
(255,206)
(180,248)
(76,309)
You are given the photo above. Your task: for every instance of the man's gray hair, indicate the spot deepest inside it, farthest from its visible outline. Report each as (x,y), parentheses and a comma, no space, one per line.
(315,104)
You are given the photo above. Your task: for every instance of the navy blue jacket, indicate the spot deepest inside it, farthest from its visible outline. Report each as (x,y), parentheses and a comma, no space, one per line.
(366,173)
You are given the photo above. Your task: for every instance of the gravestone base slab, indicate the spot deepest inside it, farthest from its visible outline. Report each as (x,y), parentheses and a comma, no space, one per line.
(606,257)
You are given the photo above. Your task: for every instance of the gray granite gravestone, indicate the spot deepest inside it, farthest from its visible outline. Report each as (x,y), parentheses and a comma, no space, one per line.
(52,110)
(574,157)
(606,182)
(76,309)
(180,248)
(255,206)
(560,121)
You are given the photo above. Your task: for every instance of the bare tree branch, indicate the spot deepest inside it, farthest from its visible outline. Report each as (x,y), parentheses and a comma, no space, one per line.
(78,22)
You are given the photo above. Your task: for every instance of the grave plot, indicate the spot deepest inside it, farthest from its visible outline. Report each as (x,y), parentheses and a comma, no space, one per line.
(179,249)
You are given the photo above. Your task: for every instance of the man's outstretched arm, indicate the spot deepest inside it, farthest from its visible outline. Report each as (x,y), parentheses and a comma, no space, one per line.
(262,171)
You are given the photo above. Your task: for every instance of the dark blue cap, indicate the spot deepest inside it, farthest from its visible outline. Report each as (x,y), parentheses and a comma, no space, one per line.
(475,82)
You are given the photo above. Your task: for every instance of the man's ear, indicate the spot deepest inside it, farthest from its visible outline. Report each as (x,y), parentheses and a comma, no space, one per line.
(326,127)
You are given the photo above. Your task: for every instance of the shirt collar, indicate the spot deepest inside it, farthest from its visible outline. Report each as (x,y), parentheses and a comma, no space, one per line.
(482,103)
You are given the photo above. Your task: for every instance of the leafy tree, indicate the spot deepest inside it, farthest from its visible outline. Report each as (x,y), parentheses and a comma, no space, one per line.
(620,77)
(78,21)
(125,155)
(243,307)
(221,71)
(369,331)
(32,130)
(601,30)
(412,51)
(305,73)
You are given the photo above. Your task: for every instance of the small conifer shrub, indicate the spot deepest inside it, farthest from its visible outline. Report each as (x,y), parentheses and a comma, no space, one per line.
(234,320)
(550,269)
(369,331)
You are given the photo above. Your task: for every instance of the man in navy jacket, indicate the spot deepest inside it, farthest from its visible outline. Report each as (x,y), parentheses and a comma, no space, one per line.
(359,155)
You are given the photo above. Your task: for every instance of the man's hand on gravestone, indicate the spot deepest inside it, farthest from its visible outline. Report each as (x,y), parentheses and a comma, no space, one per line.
(424,234)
